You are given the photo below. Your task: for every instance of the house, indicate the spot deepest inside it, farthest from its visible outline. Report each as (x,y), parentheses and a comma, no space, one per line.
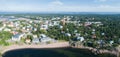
(90,23)
(102,33)
(60,26)
(56,22)
(111,42)
(93,30)
(44,27)
(68,34)
(53,23)
(101,42)
(94,36)
(11,24)
(77,41)
(81,39)
(1,28)
(17,37)
(77,34)
(75,31)
(14,32)
(34,36)
(35,40)
(7,29)
(34,29)
(44,38)
(27,40)
(87,23)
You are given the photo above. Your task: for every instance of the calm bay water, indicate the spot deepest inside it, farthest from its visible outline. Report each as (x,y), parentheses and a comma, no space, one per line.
(54,52)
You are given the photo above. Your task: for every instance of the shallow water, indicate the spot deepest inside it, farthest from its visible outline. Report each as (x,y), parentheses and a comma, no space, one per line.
(53,52)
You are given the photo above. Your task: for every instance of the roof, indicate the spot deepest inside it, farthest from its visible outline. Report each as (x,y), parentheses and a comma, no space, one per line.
(16,35)
(78,39)
(35,39)
(43,35)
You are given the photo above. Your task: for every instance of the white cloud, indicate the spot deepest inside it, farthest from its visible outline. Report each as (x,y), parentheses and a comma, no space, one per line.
(56,3)
(105,6)
(100,8)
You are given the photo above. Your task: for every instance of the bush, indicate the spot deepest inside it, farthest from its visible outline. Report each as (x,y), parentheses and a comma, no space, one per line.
(115,44)
(0,55)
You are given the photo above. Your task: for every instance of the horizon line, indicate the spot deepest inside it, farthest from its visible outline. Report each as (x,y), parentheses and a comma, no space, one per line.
(61,12)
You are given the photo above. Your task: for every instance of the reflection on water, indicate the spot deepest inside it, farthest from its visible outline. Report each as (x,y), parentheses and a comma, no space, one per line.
(54,52)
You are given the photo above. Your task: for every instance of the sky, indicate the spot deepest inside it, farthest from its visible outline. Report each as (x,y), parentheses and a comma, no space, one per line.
(59,5)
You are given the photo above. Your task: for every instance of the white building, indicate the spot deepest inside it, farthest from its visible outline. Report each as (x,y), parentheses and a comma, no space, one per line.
(7,29)
(17,37)
(44,38)
(1,28)
(35,40)
(44,27)
(80,38)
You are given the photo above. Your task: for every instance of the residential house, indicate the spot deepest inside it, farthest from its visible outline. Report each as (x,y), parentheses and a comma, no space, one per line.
(80,39)
(27,40)
(7,29)
(35,40)
(56,23)
(60,26)
(17,37)
(1,28)
(44,27)
(34,36)
(44,38)
(68,34)
(76,41)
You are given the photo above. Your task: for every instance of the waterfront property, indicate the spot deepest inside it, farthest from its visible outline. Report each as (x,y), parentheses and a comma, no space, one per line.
(17,37)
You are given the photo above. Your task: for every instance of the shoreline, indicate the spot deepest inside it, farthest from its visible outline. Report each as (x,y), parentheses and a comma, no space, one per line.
(56,45)
(101,51)
(52,45)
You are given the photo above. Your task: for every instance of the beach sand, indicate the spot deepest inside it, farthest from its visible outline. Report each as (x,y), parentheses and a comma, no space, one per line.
(52,45)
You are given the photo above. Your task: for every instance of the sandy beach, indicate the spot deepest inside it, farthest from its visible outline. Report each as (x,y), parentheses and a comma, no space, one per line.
(53,45)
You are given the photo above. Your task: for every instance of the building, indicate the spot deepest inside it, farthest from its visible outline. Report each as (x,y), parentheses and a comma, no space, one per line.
(44,38)
(17,37)
(35,40)
(44,27)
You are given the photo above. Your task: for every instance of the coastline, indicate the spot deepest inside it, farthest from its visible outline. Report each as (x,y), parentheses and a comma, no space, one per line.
(102,51)
(52,45)
(56,45)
